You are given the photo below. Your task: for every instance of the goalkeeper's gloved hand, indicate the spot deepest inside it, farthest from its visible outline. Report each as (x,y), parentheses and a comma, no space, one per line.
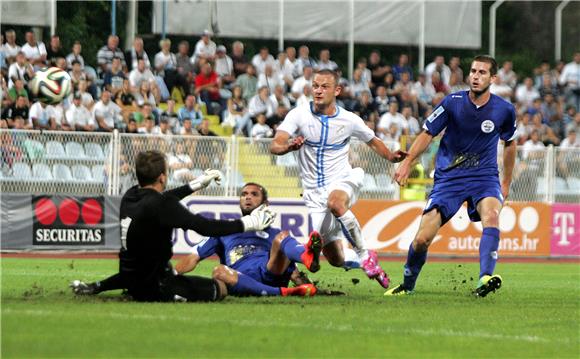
(204,180)
(260,218)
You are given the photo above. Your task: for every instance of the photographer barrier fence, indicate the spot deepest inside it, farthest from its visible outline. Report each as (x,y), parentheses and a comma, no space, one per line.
(57,222)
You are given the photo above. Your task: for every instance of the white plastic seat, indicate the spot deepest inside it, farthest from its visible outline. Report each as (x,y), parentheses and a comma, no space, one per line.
(74,150)
(82,173)
(94,151)
(62,172)
(21,170)
(55,149)
(98,173)
(41,171)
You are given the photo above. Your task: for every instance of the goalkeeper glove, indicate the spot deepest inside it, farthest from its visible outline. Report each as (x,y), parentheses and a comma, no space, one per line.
(204,180)
(260,218)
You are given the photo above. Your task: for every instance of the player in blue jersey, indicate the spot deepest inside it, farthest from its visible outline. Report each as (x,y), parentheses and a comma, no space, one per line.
(466,170)
(260,262)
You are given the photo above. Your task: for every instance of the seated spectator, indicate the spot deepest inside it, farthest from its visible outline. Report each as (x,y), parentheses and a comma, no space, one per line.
(302,81)
(38,117)
(365,107)
(551,115)
(106,54)
(77,74)
(533,152)
(404,83)
(106,113)
(261,129)
(136,53)
(180,164)
(113,79)
(79,117)
(279,98)
(20,69)
(56,114)
(570,81)
(205,48)
(261,103)
(142,113)
(568,161)
(524,127)
(54,51)
(261,59)
(148,127)
(248,82)
(424,92)
(438,84)
(140,74)
(384,129)
(303,60)
(366,75)
(86,98)
(548,87)
(402,67)
(382,100)
(412,122)
(575,124)
(306,97)
(269,79)
(10,48)
(239,59)
(187,128)
(507,76)
(224,67)
(125,100)
(204,129)
(192,111)
(75,55)
(526,93)
(18,109)
(17,90)
(284,69)
(145,95)
(499,89)
(184,66)
(545,133)
(324,61)
(132,126)
(35,51)
(545,69)
(357,85)
(166,67)
(171,116)
(238,116)
(207,88)
(438,66)
(377,67)
(164,129)
(279,116)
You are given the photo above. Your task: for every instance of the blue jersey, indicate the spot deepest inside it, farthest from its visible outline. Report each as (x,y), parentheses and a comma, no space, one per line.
(240,251)
(469,146)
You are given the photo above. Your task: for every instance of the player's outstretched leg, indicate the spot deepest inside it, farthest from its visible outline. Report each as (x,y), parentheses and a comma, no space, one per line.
(303,290)
(308,254)
(373,269)
(81,288)
(111,283)
(415,261)
(488,247)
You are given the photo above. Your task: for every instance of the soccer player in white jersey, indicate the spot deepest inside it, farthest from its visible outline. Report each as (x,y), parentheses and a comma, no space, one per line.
(321,133)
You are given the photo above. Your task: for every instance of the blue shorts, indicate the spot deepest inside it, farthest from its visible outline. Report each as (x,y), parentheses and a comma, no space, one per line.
(256,268)
(448,196)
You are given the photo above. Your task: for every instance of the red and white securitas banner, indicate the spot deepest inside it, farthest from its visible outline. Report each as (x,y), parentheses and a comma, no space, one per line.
(66,221)
(390,226)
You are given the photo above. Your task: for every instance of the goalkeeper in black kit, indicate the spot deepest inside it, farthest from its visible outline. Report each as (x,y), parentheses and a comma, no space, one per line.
(148,216)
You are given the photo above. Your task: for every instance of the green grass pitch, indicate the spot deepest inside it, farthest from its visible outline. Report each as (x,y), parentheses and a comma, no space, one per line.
(534,315)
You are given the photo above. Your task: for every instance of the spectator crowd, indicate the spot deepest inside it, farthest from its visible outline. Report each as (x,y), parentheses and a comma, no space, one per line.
(172,93)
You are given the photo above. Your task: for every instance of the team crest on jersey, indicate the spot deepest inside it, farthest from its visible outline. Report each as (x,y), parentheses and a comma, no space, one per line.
(487,126)
(262,234)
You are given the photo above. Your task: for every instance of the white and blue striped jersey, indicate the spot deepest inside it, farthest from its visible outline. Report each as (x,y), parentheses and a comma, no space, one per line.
(324,157)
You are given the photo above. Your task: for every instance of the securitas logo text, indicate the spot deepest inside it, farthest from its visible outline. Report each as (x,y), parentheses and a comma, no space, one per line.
(68,221)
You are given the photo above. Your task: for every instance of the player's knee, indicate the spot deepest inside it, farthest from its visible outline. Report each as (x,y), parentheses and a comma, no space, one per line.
(337,207)
(422,242)
(223,274)
(490,217)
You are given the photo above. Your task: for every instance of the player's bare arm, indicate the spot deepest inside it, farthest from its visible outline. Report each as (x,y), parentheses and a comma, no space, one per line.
(187,264)
(419,146)
(381,149)
(509,160)
(282,143)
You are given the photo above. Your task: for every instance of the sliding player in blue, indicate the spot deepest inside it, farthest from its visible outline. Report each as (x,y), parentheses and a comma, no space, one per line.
(261,262)
(466,170)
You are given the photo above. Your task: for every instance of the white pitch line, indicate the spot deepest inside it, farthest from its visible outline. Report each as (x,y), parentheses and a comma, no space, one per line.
(320,326)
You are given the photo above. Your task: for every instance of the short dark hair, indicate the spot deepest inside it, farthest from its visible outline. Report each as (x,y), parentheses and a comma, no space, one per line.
(489,60)
(331,73)
(149,165)
(262,189)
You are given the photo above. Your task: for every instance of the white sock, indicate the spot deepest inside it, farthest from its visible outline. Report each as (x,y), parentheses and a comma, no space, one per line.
(352,231)
(351,259)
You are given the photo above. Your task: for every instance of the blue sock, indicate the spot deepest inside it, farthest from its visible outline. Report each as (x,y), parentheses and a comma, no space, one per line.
(415,261)
(292,249)
(488,251)
(248,285)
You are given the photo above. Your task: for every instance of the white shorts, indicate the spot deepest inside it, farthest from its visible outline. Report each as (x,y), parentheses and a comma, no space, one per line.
(316,200)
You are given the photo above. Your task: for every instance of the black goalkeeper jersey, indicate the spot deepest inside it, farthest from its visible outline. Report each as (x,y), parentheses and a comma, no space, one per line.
(147,222)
